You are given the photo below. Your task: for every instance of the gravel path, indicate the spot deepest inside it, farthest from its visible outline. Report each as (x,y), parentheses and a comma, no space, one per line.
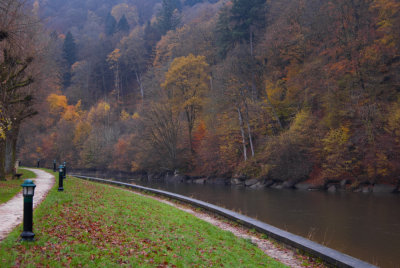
(11,213)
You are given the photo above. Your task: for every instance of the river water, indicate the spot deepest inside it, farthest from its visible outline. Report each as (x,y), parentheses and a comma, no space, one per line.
(365,226)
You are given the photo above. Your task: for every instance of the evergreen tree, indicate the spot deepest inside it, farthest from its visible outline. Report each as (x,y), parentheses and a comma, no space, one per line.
(69,49)
(223,32)
(244,15)
(110,24)
(151,36)
(123,25)
(66,78)
(237,24)
(169,18)
(3,35)
(192,2)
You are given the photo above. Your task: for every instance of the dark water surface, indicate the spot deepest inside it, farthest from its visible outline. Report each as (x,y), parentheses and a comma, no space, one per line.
(365,226)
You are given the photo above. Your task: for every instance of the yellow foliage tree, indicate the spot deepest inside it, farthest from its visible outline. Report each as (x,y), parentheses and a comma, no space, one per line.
(337,158)
(99,114)
(58,103)
(186,83)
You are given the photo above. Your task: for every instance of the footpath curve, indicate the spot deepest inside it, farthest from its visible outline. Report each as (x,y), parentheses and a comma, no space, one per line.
(11,213)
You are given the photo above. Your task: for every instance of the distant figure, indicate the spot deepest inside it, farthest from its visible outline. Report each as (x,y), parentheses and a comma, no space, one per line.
(54,166)
(38,163)
(19,163)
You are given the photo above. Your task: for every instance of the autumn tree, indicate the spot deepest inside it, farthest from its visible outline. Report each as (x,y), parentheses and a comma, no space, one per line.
(159,140)
(135,56)
(186,83)
(16,102)
(15,79)
(113,60)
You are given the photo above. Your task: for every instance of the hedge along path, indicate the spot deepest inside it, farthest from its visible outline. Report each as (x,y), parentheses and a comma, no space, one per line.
(11,213)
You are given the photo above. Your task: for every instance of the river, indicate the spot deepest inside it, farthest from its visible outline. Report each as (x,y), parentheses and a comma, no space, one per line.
(365,226)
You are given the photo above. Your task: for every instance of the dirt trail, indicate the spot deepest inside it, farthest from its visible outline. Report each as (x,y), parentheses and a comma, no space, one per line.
(11,213)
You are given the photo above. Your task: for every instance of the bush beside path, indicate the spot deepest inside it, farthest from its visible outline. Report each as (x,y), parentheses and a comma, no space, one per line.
(95,225)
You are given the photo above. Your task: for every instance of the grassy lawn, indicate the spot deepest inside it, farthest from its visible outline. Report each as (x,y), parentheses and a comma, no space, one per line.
(95,225)
(11,187)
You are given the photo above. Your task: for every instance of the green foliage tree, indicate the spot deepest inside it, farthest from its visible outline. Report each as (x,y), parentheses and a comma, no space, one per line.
(123,25)
(69,49)
(237,24)
(192,2)
(245,16)
(168,17)
(110,25)
(70,56)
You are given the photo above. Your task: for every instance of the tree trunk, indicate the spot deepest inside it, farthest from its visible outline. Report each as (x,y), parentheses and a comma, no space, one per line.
(250,139)
(139,80)
(243,136)
(246,109)
(2,159)
(8,155)
(11,146)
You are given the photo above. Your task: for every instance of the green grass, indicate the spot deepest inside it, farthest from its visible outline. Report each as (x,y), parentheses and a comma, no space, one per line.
(95,225)
(11,187)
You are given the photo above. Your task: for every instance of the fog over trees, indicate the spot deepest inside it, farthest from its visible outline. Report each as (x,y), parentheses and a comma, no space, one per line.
(286,90)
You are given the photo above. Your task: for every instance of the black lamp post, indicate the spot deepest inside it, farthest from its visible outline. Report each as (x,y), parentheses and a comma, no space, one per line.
(54,166)
(65,170)
(60,178)
(28,191)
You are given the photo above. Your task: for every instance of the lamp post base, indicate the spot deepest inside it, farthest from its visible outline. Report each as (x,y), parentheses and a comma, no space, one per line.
(60,189)
(27,236)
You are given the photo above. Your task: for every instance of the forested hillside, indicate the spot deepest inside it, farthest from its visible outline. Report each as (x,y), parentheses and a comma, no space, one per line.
(288,90)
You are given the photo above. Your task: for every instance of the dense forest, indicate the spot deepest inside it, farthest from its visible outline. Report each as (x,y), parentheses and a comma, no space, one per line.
(287,90)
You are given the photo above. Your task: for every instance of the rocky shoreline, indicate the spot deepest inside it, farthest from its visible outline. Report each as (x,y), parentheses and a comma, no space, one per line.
(251,183)
(241,181)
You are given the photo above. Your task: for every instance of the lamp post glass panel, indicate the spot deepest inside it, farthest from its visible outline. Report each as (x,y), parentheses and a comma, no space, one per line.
(60,178)
(28,191)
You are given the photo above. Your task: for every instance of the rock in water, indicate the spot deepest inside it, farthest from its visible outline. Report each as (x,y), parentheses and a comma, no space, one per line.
(250,182)
(332,189)
(383,188)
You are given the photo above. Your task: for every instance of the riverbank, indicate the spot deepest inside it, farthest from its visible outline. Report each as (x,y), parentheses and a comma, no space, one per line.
(339,185)
(90,224)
